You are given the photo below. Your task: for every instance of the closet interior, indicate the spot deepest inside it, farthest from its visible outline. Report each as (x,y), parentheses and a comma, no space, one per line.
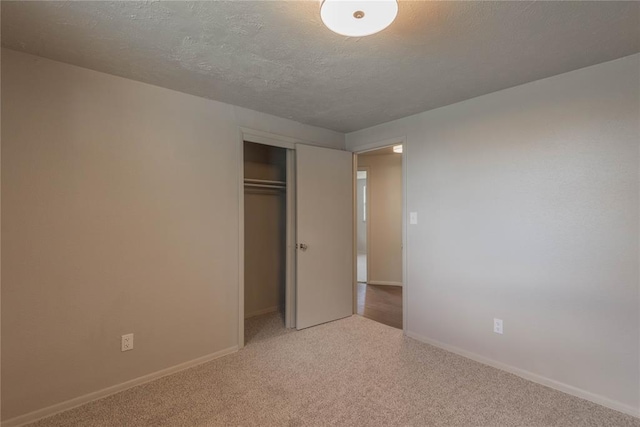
(265,222)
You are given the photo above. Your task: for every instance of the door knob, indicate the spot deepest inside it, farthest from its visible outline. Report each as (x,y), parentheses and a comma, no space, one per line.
(303,246)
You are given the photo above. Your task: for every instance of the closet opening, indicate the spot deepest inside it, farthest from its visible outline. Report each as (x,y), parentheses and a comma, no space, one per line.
(266,182)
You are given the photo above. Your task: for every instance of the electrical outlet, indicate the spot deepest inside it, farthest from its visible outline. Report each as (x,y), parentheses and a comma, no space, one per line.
(497,326)
(127,342)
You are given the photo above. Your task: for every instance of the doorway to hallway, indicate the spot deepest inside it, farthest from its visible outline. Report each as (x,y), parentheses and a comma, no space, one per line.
(361,227)
(379,222)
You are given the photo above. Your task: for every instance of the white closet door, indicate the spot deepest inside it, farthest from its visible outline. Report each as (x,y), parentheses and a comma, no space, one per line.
(324,197)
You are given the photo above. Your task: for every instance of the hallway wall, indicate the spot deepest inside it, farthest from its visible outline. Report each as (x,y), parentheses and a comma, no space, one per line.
(384,240)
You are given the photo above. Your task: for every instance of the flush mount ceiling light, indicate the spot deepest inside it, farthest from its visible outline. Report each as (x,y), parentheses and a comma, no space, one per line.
(358,18)
(397,149)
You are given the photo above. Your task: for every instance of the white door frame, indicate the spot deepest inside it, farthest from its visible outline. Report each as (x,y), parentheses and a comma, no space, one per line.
(405,283)
(367,214)
(265,138)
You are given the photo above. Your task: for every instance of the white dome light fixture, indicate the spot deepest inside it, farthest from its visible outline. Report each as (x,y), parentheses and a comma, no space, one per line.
(358,18)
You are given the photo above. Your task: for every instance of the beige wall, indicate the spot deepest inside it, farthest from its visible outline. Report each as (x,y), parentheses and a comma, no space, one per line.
(265,251)
(384,178)
(528,212)
(120,215)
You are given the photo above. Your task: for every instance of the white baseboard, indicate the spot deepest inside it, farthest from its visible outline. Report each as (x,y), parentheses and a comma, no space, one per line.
(81,400)
(381,282)
(262,311)
(557,385)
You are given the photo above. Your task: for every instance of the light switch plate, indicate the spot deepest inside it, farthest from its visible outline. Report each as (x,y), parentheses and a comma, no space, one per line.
(413,218)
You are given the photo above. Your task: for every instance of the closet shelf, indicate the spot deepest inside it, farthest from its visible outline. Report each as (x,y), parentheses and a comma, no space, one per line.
(264,181)
(272,187)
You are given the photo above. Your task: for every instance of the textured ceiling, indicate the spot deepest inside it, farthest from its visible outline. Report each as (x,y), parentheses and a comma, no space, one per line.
(277,57)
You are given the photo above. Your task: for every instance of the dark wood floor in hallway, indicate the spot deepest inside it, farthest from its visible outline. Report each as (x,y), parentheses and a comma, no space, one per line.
(381,303)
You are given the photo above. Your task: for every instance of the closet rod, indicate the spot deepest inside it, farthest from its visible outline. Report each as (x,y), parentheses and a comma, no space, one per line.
(277,187)
(264,181)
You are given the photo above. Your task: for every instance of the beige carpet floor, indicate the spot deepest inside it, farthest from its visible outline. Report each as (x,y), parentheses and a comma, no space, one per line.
(352,372)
